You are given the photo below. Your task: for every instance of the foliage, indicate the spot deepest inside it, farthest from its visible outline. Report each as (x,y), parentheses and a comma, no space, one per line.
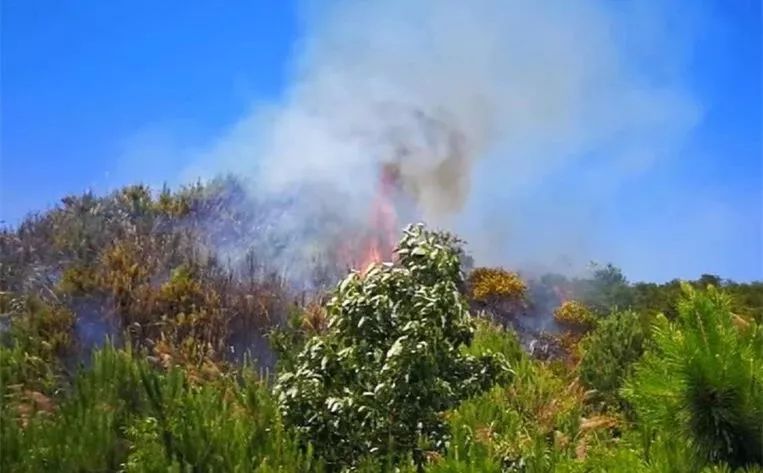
(608,289)
(487,283)
(500,293)
(177,389)
(574,315)
(609,353)
(128,416)
(528,425)
(379,380)
(492,338)
(703,382)
(130,261)
(45,329)
(40,334)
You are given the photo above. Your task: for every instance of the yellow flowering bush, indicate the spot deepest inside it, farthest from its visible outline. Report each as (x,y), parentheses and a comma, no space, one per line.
(496,283)
(574,313)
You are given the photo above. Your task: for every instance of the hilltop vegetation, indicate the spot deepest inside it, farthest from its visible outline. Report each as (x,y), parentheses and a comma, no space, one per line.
(128,344)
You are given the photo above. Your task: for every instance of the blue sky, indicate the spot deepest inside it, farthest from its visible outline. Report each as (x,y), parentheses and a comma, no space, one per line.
(82,78)
(87,83)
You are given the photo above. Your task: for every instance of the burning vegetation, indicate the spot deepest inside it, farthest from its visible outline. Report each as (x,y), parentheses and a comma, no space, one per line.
(121,319)
(378,242)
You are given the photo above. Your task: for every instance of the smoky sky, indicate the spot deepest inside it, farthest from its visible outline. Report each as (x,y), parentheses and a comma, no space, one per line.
(514,123)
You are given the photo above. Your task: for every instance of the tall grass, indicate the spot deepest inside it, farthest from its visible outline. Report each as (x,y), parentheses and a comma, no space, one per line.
(122,414)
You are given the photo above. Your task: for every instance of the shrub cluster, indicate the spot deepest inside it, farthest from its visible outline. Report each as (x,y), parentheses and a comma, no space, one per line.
(390,364)
(609,353)
(574,315)
(487,283)
(500,293)
(387,372)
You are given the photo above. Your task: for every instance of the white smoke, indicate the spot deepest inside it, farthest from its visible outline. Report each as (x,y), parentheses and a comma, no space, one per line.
(483,104)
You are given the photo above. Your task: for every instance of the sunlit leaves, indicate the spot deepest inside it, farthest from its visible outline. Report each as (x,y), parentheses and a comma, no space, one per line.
(703,382)
(390,363)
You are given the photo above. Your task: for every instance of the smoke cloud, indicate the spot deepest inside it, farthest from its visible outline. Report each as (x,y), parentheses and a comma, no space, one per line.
(509,121)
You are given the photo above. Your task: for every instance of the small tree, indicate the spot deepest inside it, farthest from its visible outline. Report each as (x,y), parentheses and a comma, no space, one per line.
(391,361)
(607,290)
(703,382)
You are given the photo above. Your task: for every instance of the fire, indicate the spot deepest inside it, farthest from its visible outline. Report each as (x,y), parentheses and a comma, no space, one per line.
(379,243)
(372,255)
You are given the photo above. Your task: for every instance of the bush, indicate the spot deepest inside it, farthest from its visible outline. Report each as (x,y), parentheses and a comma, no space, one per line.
(574,315)
(526,426)
(609,353)
(702,385)
(492,338)
(39,328)
(391,362)
(488,283)
(499,293)
(125,415)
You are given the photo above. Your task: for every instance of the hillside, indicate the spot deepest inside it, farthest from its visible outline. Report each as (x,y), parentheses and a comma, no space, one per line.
(168,331)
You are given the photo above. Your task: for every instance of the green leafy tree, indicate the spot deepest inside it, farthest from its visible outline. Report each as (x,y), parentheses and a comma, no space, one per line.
(607,290)
(392,359)
(702,385)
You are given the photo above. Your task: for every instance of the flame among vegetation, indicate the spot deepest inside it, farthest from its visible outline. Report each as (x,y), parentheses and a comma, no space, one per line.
(387,372)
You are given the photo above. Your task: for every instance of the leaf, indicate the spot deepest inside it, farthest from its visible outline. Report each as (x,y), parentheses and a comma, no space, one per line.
(396,348)
(418,251)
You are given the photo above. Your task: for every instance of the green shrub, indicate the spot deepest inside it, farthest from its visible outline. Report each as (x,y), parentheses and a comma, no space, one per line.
(40,328)
(702,385)
(609,353)
(39,335)
(529,425)
(124,415)
(390,364)
(492,338)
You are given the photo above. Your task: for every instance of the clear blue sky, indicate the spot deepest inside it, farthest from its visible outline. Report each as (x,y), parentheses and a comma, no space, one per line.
(79,78)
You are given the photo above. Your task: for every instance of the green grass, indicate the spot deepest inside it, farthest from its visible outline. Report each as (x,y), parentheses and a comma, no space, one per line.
(124,415)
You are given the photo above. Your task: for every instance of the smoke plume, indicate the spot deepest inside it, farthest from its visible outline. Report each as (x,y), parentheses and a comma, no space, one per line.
(507,120)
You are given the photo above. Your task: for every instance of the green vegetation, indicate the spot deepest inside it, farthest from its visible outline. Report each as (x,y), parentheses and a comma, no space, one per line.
(574,315)
(609,354)
(704,381)
(127,345)
(122,414)
(390,364)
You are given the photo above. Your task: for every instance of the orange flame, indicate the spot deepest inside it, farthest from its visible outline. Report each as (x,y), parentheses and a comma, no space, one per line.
(383,220)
